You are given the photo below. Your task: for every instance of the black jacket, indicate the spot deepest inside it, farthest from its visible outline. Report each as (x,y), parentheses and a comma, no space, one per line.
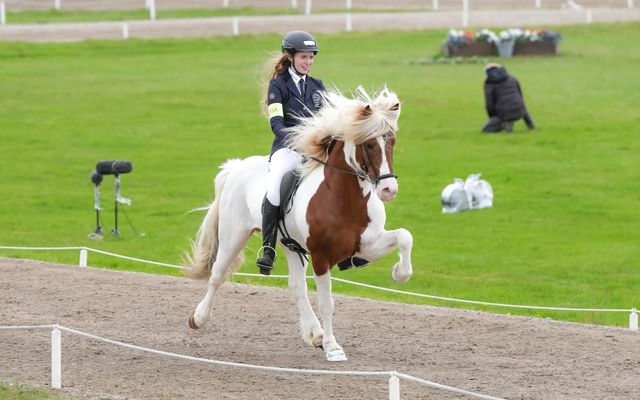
(285,104)
(503,96)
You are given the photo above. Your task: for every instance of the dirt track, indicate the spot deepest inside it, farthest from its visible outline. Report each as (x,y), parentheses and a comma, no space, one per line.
(509,357)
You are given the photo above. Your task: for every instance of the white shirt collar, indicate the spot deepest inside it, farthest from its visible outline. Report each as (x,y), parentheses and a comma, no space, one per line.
(295,76)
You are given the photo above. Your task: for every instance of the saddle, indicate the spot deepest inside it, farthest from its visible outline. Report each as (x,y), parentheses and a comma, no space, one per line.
(288,188)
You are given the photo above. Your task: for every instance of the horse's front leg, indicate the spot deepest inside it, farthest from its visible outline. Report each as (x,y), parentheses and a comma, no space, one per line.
(310,327)
(384,243)
(333,351)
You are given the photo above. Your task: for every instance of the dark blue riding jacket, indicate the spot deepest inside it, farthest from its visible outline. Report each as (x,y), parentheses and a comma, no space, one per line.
(285,104)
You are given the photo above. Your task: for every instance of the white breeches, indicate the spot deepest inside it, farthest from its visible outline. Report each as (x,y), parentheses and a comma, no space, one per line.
(282,161)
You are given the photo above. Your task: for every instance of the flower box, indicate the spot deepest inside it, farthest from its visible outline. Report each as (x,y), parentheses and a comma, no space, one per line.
(469,49)
(540,48)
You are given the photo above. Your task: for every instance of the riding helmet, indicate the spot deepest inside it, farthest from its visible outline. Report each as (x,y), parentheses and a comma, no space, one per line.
(296,41)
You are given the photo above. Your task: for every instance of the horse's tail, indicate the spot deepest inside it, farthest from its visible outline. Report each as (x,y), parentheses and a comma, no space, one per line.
(205,247)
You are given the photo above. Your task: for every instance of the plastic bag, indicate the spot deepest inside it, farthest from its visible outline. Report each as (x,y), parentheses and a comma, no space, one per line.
(472,194)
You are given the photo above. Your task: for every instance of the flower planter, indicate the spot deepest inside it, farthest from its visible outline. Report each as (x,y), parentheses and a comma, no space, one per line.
(469,50)
(541,48)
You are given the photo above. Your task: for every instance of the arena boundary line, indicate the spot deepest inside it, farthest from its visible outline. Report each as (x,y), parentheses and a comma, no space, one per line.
(633,314)
(394,376)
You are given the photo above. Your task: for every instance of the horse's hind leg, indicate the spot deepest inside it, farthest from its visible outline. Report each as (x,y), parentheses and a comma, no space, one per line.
(230,246)
(310,327)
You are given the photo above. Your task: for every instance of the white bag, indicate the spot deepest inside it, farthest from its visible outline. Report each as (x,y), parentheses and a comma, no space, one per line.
(474,193)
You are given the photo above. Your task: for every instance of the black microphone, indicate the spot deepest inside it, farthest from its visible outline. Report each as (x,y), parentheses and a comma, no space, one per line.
(110,167)
(96,178)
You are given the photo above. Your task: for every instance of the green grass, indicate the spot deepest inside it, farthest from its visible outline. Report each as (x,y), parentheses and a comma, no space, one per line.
(564,229)
(25,392)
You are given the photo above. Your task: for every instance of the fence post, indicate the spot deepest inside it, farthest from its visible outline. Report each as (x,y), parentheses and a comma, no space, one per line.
(538,3)
(633,320)
(294,4)
(307,7)
(57,5)
(349,23)
(152,10)
(225,3)
(3,16)
(394,387)
(348,4)
(630,3)
(465,13)
(589,16)
(435,5)
(125,36)
(83,252)
(235,26)
(56,358)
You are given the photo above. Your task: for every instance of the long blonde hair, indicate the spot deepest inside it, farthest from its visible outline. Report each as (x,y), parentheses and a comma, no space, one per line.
(273,67)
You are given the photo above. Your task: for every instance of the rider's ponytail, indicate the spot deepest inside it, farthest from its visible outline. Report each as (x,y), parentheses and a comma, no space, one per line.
(271,69)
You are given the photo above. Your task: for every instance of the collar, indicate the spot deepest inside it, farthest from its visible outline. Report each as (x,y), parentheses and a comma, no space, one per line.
(295,76)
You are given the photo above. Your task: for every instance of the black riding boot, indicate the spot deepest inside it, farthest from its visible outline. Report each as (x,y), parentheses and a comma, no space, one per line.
(270,214)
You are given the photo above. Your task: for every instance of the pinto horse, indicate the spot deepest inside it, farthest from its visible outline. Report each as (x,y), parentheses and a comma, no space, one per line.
(337,211)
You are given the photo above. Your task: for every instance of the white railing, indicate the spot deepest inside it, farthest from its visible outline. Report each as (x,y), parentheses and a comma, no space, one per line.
(394,376)
(633,314)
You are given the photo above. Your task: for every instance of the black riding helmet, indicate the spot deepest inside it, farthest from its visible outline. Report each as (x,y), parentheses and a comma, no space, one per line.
(296,41)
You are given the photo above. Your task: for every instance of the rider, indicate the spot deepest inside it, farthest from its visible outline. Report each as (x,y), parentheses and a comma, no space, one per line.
(291,94)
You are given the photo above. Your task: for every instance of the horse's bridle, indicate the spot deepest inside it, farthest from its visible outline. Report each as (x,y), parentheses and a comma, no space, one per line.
(363,172)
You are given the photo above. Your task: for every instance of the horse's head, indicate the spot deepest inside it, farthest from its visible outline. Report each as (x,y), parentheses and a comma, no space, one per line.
(367,127)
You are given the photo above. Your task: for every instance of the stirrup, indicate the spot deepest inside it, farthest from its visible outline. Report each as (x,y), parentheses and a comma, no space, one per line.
(265,263)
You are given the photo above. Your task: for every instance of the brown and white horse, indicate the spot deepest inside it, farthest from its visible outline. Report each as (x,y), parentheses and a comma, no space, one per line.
(337,213)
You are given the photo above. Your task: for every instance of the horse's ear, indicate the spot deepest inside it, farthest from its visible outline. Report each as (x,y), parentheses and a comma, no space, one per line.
(395,107)
(366,111)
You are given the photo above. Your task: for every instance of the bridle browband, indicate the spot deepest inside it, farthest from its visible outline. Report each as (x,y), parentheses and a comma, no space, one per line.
(362,174)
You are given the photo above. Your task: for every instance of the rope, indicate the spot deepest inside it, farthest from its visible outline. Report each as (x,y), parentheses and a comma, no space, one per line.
(254,366)
(427,296)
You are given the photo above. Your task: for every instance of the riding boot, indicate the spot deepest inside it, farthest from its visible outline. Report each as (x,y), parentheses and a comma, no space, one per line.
(270,214)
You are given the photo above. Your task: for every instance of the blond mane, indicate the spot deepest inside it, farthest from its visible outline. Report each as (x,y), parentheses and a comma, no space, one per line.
(354,120)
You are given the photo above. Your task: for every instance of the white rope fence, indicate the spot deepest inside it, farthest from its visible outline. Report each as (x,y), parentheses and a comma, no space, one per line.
(633,314)
(394,376)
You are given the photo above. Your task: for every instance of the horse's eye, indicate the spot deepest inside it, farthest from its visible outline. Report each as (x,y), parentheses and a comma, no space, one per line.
(370,146)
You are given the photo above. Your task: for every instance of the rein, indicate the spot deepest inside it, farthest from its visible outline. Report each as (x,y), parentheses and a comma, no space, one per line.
(362,175)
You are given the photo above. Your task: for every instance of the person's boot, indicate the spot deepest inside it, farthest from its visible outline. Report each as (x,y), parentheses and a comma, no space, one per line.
(270,214)
(508,126)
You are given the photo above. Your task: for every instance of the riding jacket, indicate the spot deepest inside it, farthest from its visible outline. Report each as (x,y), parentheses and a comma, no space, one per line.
(286,104)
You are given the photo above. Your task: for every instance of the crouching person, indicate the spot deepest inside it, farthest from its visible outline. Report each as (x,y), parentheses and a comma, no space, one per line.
(503,100)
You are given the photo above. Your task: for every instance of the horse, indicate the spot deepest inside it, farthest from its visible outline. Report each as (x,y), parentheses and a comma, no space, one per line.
(337,213)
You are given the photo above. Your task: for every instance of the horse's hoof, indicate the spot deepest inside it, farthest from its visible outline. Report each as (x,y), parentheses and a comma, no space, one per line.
(396,278)
(192,322)
(335,355)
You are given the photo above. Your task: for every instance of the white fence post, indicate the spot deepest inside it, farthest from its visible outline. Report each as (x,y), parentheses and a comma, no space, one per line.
(630,3)
(435,4)
(348,4)
(589,16)
(633,320)
(152,10)
(538,3)
(349,26)
(225,3)
(125,36)
(57,5)
(83,252)
(394,387)
(3,16)
(465,13)
(235,26)
(294,4)
(56,358)
(307,7)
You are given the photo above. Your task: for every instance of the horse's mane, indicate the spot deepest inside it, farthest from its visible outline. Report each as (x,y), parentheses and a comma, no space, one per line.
(355,120)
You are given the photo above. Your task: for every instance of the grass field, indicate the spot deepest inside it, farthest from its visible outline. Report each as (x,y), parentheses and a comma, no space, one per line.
(564,229)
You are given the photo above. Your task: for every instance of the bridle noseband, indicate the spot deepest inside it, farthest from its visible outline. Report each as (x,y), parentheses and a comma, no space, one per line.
(363,172)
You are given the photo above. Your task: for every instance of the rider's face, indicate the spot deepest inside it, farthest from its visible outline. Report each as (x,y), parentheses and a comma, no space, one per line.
(302,61)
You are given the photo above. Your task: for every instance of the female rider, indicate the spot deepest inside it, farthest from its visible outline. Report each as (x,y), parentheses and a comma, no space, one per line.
(291,94)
